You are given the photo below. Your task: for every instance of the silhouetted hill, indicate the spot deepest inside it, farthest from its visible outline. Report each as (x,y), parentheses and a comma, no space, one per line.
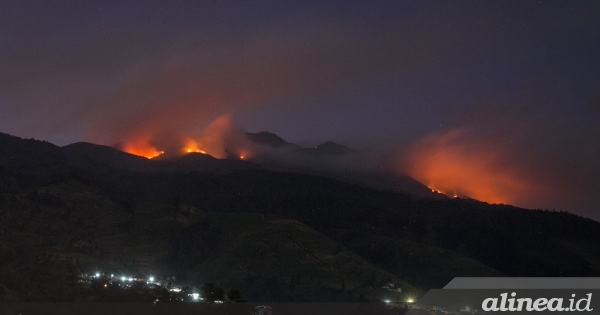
(112,156)
(329,148)
(269,139)
(189,162)
(62,213)
(205,163)
(329,159)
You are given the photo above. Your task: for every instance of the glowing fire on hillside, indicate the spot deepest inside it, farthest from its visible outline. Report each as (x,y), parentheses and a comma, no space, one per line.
(457,164)
(217,139)
(192,146)
(143,150)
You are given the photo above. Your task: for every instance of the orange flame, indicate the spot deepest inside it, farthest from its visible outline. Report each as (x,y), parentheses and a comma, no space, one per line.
(244,155)
(457,165)
(213,140)
(192,146)
(141,148)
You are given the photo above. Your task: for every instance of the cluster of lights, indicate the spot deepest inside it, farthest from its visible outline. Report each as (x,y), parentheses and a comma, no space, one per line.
(151,279)
(409,300)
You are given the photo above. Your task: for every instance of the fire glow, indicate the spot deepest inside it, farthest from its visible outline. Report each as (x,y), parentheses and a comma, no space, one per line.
(456,165)
(142,149)
(192,146)
(217,139)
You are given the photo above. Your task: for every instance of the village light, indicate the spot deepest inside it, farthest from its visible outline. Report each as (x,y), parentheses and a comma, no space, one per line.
(123,279)
(195,296)
(151,279)
(130,279)
(387,301)
(97,275)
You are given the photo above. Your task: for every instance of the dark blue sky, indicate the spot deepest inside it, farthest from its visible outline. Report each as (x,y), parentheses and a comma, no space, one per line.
(518,79)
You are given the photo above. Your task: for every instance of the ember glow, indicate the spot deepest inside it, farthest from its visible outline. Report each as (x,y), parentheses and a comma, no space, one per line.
(142,148)
(192,146)
(243,155)
(457,165)
(217,139)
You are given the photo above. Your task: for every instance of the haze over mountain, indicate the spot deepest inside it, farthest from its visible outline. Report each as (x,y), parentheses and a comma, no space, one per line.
(274,235)
(268,151)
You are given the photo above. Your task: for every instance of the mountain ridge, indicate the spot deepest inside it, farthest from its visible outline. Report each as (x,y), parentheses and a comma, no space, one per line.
(63,214)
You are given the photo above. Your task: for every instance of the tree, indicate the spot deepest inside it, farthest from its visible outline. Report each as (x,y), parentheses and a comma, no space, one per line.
(235,296)
(212,293)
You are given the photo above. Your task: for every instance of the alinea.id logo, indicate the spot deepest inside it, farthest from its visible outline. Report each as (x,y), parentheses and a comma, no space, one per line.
(505,304)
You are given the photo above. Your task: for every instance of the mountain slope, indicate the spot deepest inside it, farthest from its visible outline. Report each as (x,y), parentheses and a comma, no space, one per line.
(187,163)
(61,214)
(277,258)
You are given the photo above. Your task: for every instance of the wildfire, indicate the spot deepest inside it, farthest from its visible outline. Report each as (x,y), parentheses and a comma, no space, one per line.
(456,165)
(139,149)
(219,139)
(195,151)
(157,154)
(192,146)
(243,155)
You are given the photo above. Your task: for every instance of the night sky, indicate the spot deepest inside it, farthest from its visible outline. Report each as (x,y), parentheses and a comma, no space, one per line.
(499,100)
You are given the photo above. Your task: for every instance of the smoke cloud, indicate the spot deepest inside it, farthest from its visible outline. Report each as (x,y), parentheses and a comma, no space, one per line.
(456,163)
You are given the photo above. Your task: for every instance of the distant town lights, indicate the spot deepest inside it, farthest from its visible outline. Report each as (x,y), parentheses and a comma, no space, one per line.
(123,279)
(195,296)
(97,275)
(151,279)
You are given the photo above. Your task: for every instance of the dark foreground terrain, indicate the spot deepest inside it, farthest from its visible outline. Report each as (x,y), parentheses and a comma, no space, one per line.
(274,236)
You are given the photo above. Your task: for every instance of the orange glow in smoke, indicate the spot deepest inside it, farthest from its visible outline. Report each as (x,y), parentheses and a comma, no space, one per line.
(192,146)
(142,149)
(458,165)
(244,153)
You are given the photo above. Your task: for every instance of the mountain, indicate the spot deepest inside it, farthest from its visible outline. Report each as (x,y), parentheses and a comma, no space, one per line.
(269,139)
(197,162)
(265,138)
(329,159)
(329,148)
(111,156)
(62,213)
